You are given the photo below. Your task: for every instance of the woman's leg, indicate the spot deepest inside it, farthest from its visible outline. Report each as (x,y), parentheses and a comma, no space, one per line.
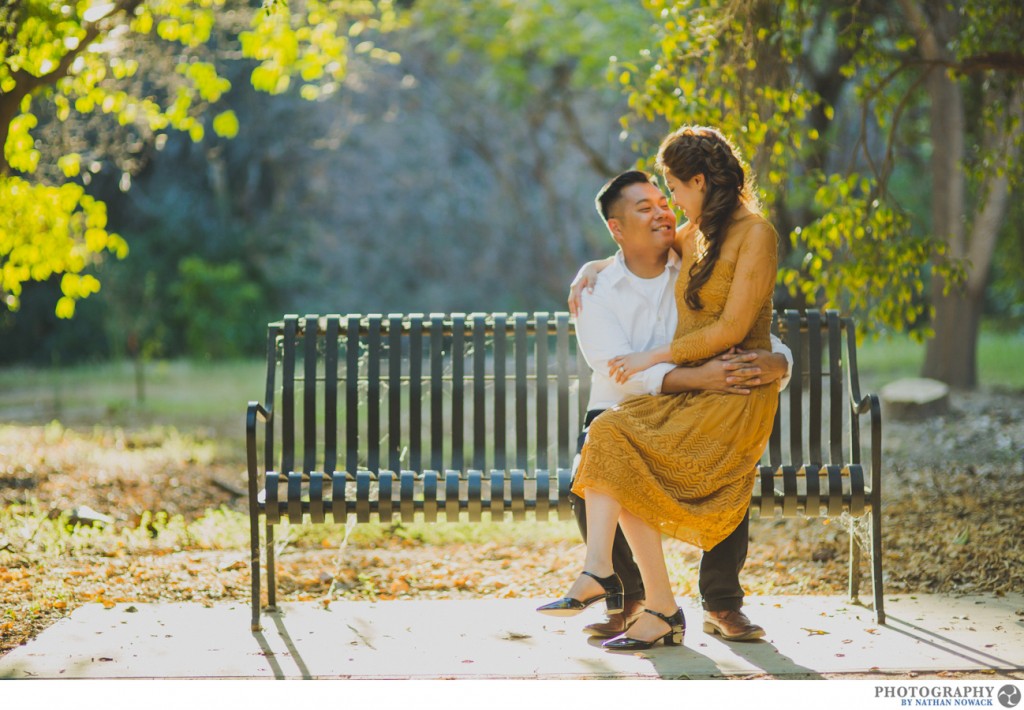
(602,519)
(650,557)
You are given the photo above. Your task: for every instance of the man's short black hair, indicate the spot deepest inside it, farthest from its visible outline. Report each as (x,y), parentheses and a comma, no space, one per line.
(608,195)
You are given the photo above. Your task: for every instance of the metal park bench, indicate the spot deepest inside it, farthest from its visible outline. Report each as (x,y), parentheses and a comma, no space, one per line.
(470,417)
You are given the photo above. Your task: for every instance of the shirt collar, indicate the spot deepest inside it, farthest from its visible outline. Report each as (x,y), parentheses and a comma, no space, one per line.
(618,271)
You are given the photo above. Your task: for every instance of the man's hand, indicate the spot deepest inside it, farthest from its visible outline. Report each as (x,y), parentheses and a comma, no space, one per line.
(734,372)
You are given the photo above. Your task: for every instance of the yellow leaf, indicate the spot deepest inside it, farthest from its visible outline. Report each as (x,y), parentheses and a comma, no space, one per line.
(70,164)
(225,124)
(65,308)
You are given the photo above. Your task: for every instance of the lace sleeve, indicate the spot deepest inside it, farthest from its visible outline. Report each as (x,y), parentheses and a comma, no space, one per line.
(752,284)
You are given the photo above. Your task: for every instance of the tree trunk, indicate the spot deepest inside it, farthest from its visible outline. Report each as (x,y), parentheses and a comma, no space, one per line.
(951,356)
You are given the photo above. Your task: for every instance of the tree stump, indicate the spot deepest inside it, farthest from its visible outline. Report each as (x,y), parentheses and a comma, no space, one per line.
(915,398)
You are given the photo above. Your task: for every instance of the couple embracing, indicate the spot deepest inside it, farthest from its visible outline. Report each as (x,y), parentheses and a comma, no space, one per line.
(686,377)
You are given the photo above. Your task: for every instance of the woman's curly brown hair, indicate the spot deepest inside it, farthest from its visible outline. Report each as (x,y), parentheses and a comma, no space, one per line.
(694,150)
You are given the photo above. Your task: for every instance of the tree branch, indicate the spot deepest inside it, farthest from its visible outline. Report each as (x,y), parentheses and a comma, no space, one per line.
(887,162)
(26,83)
(92,30)
(985,229)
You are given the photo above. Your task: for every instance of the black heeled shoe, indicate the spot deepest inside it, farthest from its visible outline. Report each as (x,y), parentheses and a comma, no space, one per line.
(674,637)
(613,596)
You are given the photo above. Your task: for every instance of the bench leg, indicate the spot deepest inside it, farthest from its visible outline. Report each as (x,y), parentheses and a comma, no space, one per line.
(271,569)
(854,574)
(876,562)
(254,565)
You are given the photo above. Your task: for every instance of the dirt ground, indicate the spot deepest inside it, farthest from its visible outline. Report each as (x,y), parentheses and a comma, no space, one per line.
(953,488)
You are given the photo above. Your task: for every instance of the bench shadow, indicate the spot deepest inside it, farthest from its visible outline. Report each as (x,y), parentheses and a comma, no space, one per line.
(271,656)
(686,663)
(767,657)
(948,645)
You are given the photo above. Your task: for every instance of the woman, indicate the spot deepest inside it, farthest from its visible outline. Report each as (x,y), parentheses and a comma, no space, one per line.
(683,465)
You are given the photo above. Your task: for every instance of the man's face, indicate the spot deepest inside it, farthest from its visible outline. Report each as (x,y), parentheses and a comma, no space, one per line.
(642,219)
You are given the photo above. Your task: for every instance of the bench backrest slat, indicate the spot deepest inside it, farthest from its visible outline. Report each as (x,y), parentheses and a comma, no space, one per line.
(562,350)
(458,403)
(372,355)
(541,369)
(351,394)
(288,396)
(500,389)
(519,326)
(309,342)
(479,384)
(331,394)
(814,420)
(794,338)
(437,423)
(835,399)
(415,393)
(394,390)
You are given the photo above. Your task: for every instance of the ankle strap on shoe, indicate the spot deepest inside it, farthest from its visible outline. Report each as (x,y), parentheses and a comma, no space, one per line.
(611,581)
(674,620)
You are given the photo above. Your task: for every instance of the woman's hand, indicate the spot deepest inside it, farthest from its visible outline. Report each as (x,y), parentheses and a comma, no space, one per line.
(585,279)
(622,367)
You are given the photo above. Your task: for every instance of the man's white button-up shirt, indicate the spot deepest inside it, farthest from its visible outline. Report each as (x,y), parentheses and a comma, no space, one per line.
(627,314)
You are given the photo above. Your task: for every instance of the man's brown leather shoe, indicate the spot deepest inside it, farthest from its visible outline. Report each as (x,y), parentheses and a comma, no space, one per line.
(617,623)
(732,625)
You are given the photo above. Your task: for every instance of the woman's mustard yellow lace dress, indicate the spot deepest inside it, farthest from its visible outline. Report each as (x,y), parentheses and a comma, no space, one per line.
(685,463)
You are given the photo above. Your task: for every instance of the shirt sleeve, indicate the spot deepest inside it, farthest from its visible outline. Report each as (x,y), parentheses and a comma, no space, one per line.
(601,337)
(782,349)
(752,283)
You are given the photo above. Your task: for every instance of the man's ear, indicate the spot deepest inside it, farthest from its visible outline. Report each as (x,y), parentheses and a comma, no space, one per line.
(615,229)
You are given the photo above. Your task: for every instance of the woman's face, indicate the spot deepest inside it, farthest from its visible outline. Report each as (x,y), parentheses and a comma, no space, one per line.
(688,195)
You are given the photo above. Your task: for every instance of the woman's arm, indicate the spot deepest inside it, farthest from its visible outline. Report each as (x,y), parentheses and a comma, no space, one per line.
(586,277)
(752,283)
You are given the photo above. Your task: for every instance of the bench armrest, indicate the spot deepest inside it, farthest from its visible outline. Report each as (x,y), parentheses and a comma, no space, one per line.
(870,406)
(255,413)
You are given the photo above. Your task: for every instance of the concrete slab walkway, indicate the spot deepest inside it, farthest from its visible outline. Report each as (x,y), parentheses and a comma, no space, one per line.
(483,639)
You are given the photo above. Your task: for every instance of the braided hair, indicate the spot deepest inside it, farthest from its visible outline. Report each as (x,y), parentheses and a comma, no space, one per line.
(695,150)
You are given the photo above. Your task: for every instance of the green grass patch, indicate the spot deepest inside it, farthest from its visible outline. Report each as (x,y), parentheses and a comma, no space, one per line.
(1000,354)
(183,394)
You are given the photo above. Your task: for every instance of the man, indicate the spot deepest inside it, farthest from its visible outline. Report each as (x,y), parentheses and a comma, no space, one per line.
(632,308)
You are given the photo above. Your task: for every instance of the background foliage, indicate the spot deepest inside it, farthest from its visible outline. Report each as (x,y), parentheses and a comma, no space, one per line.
(177,172)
